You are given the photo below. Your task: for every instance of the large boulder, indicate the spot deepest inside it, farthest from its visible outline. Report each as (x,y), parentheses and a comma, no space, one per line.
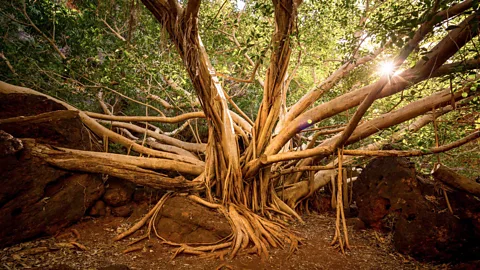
(45,120)
(118,192)
(389,197)
(36,198)
(184,221)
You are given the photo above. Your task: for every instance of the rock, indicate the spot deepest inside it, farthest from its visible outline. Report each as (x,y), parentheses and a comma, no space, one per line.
(12,105)
(322,204)
(98,209)
(8,144)
(184,221)
(389,197)
(36,198)
(385,187)
(356,223)
(122,211)
(139,210)
(59,128)
(146,194)
(119,192)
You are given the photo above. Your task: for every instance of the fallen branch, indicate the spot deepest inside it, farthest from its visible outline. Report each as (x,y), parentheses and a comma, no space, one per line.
(9,65)
(142,162)
(453,179)
(169,148)
(75,161)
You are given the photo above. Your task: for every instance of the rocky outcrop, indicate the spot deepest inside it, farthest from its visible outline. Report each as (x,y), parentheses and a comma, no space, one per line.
(390,197)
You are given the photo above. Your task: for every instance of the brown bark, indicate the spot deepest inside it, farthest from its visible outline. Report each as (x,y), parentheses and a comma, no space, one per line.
(275,85)
(455,180)
(368,128)
(142,162)
(78,161)
(410,153)
(344,70)
(326,85)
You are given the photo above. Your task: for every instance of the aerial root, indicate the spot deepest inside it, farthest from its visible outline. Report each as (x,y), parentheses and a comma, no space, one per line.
(251,233)
(144,220)
(343,243)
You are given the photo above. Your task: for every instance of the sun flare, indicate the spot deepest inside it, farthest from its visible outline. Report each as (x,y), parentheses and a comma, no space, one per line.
(386,68)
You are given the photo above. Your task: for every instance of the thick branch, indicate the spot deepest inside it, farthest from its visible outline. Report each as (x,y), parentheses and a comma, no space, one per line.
(457,67)
(412,153)
(302,188)
(142,162)
(74,160)
(456,180)
(314,94)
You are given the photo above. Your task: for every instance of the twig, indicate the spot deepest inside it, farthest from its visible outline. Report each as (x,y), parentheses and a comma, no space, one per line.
(9,65)
(113,31)
(447,200)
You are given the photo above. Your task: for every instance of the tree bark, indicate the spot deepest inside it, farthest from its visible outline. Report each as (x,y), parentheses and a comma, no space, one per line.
(84,162)
(455,180)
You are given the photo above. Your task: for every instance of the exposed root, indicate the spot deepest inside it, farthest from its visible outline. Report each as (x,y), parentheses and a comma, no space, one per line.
(78,245)
(76,234)
(132,249)
(144,220)
(250,232)
(138,240)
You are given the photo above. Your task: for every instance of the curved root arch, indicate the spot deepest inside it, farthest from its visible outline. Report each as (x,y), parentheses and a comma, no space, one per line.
(250,232)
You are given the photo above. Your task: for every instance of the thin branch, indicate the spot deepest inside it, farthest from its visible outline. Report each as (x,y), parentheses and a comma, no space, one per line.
(9,65)
(252,77)
(113,31)
(160,119)
(361,110)
(301,169)
(411,153)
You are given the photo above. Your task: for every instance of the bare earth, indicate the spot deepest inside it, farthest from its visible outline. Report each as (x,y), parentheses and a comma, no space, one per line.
(370,251)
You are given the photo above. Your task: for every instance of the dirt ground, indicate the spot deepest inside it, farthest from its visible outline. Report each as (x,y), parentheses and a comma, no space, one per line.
(370,251)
